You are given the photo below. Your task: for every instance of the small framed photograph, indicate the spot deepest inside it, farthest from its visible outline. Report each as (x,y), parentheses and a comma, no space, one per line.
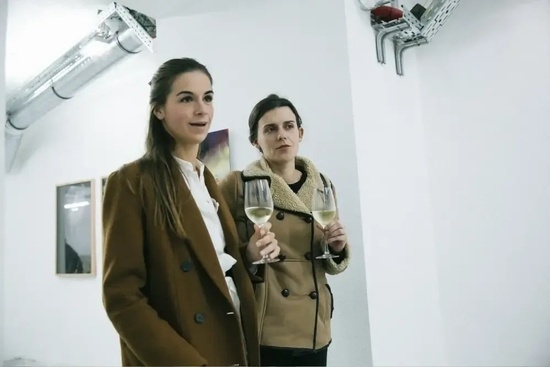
(103,183)
(75,229)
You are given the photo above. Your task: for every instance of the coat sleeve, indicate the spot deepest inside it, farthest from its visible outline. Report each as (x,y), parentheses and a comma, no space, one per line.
(148,336)
(338,265)
(229,188)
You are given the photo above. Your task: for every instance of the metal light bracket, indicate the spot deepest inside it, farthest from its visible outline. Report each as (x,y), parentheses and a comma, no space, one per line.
(408,31)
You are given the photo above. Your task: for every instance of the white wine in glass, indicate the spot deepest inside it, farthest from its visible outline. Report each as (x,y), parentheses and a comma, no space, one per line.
(323,209)
(259,214)
(258,206)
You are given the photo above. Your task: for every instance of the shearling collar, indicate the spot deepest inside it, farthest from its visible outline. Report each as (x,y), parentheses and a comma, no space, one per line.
(283,196)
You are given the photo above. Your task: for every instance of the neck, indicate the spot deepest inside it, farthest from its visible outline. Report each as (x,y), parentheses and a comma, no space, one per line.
(287,171)
(188,153)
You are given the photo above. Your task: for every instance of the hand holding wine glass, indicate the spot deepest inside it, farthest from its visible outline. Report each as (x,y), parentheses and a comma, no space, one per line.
(323,208)
(258,206)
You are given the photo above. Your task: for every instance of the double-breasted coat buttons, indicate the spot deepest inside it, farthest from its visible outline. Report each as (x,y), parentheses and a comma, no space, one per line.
(186,266)
(199,318)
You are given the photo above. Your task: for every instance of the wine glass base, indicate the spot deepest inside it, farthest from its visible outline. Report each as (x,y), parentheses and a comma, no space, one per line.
(327,256)
(266,261)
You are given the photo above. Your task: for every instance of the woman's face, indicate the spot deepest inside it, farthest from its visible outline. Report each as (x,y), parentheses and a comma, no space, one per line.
(279,135)
(188,111)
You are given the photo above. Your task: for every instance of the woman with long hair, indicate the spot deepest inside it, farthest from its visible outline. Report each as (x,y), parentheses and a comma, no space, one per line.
(176,286)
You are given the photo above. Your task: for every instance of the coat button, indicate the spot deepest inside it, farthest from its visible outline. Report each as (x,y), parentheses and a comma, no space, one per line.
(313,295)
(308,219)
(199,318)
(285,292)
(280,215)
(308,256)
(186,266)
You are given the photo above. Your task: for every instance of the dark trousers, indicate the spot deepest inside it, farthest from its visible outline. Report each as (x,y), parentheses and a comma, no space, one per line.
(287,357)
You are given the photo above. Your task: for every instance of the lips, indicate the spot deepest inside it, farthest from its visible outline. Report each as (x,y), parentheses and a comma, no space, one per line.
(200,124)
(283,146)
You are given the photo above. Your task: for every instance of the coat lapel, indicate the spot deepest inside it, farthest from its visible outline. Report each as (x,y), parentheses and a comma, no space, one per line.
(226,219)
(198,236)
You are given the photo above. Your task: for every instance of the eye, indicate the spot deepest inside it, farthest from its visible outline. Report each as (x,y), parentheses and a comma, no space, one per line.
(269,129)
(208,98)
(290,125)
(186,99)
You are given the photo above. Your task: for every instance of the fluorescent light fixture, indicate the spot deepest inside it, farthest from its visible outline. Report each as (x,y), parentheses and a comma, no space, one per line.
(120,32)
(76,205)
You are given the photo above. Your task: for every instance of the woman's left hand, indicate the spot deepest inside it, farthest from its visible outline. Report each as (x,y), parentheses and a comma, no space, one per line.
(336,235)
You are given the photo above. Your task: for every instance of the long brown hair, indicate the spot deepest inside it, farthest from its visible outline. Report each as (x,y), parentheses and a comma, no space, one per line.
(158,164)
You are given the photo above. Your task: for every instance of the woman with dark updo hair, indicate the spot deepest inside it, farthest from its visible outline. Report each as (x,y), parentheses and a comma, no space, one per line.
(295,301)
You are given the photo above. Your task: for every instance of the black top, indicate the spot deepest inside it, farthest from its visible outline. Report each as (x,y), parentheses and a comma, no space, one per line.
(296,186)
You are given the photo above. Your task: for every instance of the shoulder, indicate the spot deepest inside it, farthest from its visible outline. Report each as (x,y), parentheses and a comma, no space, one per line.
(232,179)
(129,174)
(230,187)
(313,172)
(325,179)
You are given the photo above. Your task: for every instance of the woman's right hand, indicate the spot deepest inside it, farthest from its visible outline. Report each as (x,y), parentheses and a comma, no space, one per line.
(262,243)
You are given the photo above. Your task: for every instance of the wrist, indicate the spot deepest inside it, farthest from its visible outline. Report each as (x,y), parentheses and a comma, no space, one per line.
(338,250)
(250,256)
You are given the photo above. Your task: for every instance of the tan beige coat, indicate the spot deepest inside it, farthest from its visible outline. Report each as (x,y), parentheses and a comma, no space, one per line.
(166,295)
(294,302)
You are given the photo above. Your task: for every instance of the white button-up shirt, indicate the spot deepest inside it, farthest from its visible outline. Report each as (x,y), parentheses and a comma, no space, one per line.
(209,210)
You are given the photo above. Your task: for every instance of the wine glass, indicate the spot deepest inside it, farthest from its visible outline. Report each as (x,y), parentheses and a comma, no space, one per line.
(258,206)
(323,208)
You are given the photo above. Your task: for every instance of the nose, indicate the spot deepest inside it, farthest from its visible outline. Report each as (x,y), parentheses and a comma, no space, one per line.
(281,135)
(200,108)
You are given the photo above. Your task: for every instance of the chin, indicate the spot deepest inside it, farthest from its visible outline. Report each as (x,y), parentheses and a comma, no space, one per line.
(192,140)
(282,158)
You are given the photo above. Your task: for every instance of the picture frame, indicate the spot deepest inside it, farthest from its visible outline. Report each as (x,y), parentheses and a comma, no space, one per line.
(75,233)
(214,153)
(103,183)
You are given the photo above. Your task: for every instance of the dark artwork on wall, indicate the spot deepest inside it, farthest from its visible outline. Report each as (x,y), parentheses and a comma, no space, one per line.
(75,245)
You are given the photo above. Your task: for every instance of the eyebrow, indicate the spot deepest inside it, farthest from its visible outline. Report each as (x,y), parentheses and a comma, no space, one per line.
(274,123)
(191,93)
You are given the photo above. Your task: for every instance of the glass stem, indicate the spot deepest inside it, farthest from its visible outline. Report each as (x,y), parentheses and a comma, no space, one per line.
(265,257)
(325,243)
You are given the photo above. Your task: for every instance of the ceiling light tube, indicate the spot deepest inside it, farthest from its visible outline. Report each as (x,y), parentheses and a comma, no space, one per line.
(120,32)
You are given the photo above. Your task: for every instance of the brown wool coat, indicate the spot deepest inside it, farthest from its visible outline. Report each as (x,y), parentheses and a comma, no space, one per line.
(166,295)
(295,301)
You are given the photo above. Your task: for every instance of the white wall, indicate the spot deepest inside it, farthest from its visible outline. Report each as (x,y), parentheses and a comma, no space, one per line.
(454,174)
(486,114)
(3,21)
(275,46)
(405,320)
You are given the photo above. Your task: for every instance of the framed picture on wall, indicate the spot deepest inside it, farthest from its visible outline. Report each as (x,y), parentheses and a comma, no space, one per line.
(75,242)
(214,153)
(103,183)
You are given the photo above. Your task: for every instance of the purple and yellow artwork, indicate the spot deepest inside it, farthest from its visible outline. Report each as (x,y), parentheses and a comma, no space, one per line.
(214,153)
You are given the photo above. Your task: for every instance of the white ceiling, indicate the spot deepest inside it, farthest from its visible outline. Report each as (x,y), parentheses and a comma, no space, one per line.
(40,31)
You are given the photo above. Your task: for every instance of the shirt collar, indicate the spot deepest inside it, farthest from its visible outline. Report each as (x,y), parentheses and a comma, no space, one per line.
(187,166)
